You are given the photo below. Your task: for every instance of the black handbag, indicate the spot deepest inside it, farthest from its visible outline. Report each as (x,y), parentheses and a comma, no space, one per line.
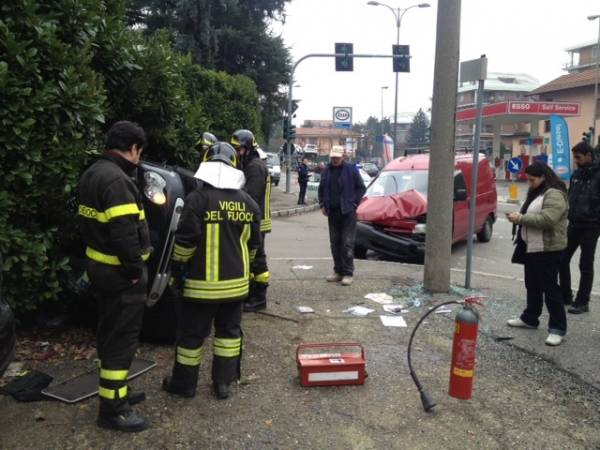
(520,251)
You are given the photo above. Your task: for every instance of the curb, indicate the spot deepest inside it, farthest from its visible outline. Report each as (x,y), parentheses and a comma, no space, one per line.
(295,211)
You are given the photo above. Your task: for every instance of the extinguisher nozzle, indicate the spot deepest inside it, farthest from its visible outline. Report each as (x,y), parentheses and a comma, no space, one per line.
(427,401)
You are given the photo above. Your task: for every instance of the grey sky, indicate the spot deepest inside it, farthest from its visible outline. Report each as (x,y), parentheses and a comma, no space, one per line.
(518,36)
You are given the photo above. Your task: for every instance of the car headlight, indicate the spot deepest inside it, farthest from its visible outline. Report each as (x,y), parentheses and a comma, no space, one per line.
(154,188)
(420,228)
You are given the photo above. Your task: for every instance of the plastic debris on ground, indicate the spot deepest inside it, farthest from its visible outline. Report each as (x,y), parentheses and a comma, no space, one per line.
(380,297)
(393,321)
(305,309)
(395,309)
(360,311)
(442,310)
(301,267)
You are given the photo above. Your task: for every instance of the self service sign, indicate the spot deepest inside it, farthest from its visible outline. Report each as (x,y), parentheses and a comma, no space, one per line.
(342,116)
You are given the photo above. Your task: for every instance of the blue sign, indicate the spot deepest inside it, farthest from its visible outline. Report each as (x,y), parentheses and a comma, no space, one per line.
(515,165)
(561,155)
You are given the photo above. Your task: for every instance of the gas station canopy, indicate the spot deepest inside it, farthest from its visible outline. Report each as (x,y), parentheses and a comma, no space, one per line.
(517,111)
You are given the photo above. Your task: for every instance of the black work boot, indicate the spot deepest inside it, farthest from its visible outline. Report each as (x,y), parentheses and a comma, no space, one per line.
(579,308)
(221,390)
(257,300)
(172,388)
(128,421)
(135,397)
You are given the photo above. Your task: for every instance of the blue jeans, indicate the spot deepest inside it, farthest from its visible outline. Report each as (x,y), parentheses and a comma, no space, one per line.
(541,281)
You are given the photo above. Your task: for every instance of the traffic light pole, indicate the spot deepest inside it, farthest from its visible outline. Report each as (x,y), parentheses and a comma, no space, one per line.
(288,171)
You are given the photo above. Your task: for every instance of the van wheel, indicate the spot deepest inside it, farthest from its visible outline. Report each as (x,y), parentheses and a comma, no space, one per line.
(485,235)
(360,252)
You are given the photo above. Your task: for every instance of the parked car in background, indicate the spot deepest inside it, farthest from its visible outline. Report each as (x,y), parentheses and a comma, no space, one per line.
(370,168)
(274,166)
(365,176)
(392,218)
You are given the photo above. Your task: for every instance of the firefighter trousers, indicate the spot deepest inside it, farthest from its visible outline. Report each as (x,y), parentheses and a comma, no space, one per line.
(260,276)
(120,312)
(194,325)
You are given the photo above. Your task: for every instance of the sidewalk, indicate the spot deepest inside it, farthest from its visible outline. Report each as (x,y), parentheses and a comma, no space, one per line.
(524,395)
(283,204)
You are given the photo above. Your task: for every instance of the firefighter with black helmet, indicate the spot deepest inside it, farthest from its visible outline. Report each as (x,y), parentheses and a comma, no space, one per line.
(217,238)
(258,185)
(114,228)
(206,141)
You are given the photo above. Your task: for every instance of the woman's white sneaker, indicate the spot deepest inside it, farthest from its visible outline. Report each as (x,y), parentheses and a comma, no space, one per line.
(554,339)
(518,323)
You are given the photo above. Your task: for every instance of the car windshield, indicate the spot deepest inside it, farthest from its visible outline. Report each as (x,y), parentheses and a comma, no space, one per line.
(394,182)
(272,159)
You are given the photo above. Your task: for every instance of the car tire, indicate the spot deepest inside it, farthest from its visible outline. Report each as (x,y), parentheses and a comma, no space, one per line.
(485,235)
(360,252)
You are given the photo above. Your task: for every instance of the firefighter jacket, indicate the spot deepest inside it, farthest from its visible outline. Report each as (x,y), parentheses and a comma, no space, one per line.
(111,215)
(258,185)
(217,237)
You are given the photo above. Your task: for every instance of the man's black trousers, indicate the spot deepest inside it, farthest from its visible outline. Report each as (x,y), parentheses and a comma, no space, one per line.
(342,234)
(302,194)
(120,312)
(586,239)
(194,325)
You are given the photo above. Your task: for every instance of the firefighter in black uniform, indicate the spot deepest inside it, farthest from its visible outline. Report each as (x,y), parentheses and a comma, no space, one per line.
(217,237)
(258,185)
(206,141)
(114,228)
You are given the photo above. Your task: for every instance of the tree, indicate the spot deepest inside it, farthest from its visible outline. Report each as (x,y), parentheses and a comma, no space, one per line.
(231,36)
(418,133)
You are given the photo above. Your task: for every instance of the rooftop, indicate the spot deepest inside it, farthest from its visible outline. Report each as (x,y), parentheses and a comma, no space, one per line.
(498,81)
(580,46)
(569,81)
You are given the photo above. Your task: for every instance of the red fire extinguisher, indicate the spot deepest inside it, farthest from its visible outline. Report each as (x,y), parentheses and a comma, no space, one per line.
(464,346)
(463,351)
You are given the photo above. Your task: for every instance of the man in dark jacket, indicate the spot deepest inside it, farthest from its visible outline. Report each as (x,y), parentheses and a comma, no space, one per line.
(584,226)
(258,185)
(302,180)
(113,226)
(340,191)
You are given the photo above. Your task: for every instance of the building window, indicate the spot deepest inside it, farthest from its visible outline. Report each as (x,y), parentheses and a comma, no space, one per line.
(546,126)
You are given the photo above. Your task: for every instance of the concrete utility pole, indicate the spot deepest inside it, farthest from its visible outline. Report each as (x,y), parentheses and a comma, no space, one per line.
(441,164)
(596,132)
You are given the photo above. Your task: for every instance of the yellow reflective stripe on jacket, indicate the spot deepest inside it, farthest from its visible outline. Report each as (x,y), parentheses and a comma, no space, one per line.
(183,254)
(252,254)
(245,236)
(221,294)
(227,348)
(189,356)
(113,375)
(111,394)
(212,285)
(212,251)
(103,258)
(266,225)
(267,213)
(262,277)
(111,213)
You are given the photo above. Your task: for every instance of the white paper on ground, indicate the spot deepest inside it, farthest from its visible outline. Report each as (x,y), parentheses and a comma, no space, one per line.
(305,309)
(395,309)
(359,311)
(393,321)
(380,297)
(443,310)
(301,267)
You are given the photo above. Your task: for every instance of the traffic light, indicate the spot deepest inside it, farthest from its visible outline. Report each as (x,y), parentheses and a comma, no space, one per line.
(289,130)
(401,60)
(294,105)
(344,63)
(587,136)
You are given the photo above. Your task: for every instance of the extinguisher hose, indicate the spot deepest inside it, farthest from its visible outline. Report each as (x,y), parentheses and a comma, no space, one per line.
(427,402)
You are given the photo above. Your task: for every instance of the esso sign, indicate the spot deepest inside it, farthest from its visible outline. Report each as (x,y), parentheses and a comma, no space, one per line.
(342,115)
(520,106)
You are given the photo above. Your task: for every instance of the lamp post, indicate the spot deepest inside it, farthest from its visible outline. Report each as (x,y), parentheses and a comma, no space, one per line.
(383,88)
(398,15)
(595,130)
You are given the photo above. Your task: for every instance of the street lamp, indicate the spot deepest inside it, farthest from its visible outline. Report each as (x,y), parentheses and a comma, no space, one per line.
(595,130)
(398,15)
(383,88)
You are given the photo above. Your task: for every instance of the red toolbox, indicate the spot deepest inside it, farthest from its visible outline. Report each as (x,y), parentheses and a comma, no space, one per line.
(331,364)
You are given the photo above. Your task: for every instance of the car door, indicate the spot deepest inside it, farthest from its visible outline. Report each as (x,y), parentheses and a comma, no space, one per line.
(461,208)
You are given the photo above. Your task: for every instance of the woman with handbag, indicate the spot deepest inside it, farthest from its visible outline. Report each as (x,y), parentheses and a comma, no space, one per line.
(542,229)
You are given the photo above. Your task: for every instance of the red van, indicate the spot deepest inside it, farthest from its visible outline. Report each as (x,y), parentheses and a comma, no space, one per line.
(392,218)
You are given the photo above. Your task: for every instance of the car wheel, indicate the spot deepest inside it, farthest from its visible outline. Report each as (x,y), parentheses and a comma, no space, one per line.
(360,252)
(485,235)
